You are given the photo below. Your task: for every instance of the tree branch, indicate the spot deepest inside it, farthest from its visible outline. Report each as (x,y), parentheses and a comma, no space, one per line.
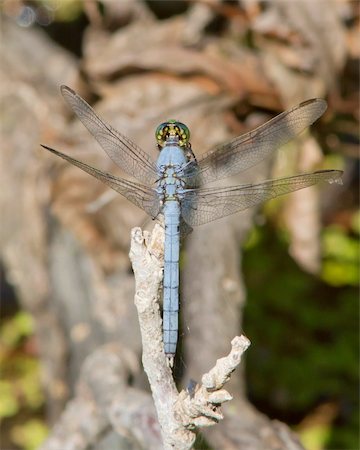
(179,414)
(104,404)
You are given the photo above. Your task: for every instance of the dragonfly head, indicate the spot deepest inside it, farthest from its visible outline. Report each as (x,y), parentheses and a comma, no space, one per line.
(172,129)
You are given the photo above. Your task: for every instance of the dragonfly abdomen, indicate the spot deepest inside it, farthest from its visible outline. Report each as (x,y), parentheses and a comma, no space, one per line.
(171,277)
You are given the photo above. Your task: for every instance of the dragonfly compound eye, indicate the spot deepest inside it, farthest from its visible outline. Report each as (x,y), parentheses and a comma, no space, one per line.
(172,128)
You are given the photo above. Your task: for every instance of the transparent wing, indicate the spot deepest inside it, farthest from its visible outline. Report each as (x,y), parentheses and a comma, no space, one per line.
(127,155)
(249,149)
(142,196)
(200,206)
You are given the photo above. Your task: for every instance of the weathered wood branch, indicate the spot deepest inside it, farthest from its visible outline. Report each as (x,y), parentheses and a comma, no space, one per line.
(179,414)
(105,411)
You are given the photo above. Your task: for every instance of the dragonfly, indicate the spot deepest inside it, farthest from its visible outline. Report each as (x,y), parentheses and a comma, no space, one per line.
(174,187)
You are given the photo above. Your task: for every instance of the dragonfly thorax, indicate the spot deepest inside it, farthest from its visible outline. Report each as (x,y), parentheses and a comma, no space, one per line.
(171,155)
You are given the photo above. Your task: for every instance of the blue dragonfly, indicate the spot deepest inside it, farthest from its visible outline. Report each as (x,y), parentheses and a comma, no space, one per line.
(174,185)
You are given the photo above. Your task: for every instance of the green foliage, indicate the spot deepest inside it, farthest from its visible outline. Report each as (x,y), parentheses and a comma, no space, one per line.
(9,405)
(304,335)
(20,389)
(355,222)
(65,10)
(341,438)
(341,252)
(315,437)
(12,331)
(29,435)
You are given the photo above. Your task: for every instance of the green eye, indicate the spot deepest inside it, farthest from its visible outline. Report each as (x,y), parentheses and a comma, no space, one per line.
(172,128)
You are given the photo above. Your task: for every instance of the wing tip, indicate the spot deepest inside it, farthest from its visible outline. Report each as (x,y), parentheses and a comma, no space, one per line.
(45,146)
(320,102)
(66,90)
(333,176)
(52,150)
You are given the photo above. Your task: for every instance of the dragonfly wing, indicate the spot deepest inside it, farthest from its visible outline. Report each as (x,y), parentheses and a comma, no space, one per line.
(249,149)
(190,172)
(127,155)
(140,195)
(200,206)
(185,229)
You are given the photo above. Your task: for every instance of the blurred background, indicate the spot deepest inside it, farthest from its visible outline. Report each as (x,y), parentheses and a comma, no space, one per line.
(285,274)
